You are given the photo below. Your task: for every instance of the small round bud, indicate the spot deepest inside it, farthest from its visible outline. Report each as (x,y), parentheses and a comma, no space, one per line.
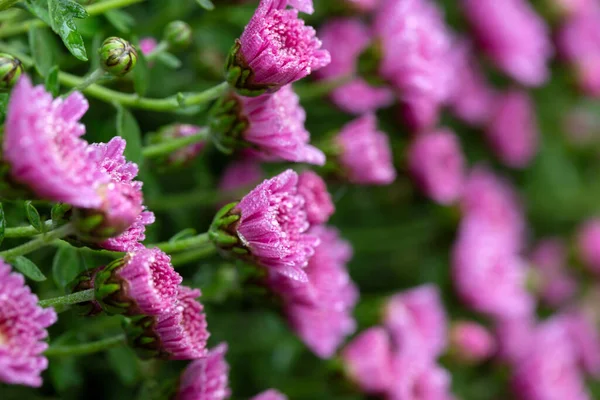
(10,71)
(117,56)
(178,34)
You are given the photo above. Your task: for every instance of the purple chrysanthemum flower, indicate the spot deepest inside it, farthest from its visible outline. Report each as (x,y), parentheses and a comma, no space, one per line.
(319,206)
(22,328)
(471,341)
(437,164)
(365,153)
(132,237)
(183,330)
(514,36)
(270,394)
(417,377)
(241,174)
(147,45)
(584,337)
(275,128)
(422,71)
(206,378)
(276,47)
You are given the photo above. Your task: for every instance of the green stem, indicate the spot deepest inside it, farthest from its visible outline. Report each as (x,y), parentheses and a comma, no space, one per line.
(184,244)
(89,80)
(94,9)
(193,255)
(37,243)
(78,297)
(6,4)
(24,231)
(107,253)
(86,348)
(165,148)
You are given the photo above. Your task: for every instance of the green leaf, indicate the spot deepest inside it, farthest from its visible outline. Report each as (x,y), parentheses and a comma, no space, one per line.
(42,46)
(128,129)
(62,14)
(141,75)
(58,211)
(51,82)
(65,266)
(39,8)
(120,20)
(169,60)
(124,362)
(34,216)
(206,4)
(2,223)
(28,268)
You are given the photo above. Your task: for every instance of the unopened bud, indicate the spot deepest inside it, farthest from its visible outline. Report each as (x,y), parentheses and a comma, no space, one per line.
(178,34)
(117,56)
(10,71)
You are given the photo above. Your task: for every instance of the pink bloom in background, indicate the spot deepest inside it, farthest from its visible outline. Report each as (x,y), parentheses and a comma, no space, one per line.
(548,370)
(365,153)
(579,43)
(513,36)
(305,6)
(319,206)
(22,330)
(364,5)
(273,226)
(585,339)
(437,164)
(588,244)
(183,330)
(185,154)
(417,318)
(549,258)
(422,72)
(270,394)
(512,130)
(419,378)
(346,39)
(147,45)
(131,238)
(240,174)
(514,336)
(473,97)
(472,342)
(43,148)
(277,46)
(206,378)
(276,129)
(368,361)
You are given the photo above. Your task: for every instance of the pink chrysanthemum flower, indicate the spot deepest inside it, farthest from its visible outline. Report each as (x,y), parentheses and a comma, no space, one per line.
(471,341)
(549,258)
(270,394)
(275,128)
(346,39)
(147,283)
(436,162)
(206,378)
(273,226)
(319,206)
(585,339)
(147,45)
(512,129)
(43,148)
(241,174)
(419,378)
(277,48)
(514,37)
(132,237)
(365,153)
(588,244)
(22,329)
(422,72)
(417,318)
(183,330)
(368,361)
(305,6)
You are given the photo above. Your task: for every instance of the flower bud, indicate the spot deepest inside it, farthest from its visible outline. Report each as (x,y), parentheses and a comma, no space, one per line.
(178,34)
(10,70)
(85,281)
(117,56)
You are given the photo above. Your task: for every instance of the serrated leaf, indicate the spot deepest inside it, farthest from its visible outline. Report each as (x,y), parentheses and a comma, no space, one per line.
(2,223)
(141,75)
(120,20)
(40,43)
(28,268)
(128,129)
(62,14)
(33,216)
(66,265)
(125,363)
(51,82)
(206,4)
(169,60)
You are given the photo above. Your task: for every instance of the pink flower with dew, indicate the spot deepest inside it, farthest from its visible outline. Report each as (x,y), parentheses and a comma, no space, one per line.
(487,276)
(588,244)
(365,153)
(273,226)
(319,206)
(276,129)
(132,237)
(579,43)
(364,5)
(206,378)
(417,318)
(419,378)
(473,97)
(368,361)
(277,47)
(22,330)
(512,129)
(270,394)
(549,258)
(513,36)
(147,45)
(183,330)
(422,73)
(472,342)
(549,369)
(585,339)
(514,336)
(436,162)
(358,97)
(43,148)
